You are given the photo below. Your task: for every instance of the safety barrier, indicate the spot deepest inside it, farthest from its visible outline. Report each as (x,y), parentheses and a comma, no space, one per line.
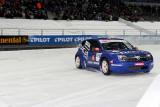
(140,39)
(65,41)
(74,39)
(29,32)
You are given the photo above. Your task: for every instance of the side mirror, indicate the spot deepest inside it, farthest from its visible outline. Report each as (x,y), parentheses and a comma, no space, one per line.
(96,49)
(136,48)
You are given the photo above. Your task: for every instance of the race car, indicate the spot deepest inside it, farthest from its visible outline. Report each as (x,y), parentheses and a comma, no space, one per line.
(112,55)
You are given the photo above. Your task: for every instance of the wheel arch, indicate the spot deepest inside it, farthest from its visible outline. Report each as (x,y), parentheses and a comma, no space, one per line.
(81,58)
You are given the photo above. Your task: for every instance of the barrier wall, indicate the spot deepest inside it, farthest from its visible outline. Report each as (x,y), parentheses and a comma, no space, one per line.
(140,39)
(14,40)
(62,41)
(76,39)
(56,39)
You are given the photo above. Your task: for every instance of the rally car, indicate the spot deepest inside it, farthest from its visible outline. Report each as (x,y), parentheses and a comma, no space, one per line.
(112,55)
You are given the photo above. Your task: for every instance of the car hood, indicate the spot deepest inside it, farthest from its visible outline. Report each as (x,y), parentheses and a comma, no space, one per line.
(127,52)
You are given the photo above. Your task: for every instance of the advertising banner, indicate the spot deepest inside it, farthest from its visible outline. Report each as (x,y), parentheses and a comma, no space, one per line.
(77,39)
(14,40)
(139,39)
(47,40)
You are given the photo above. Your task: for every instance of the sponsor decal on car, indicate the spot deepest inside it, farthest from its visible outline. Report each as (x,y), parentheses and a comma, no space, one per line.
(98,56)
(139,64)
(105,41)
(93,58)
(116,65)
(92,62)
(127,52)
(85,49)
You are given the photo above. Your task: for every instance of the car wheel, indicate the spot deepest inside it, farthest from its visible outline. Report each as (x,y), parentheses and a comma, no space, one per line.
(105,67)
(78,62)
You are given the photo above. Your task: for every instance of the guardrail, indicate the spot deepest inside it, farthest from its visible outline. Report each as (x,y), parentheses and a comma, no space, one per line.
(19,31)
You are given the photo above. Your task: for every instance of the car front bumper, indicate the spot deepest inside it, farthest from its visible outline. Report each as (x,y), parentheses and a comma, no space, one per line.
(128,67)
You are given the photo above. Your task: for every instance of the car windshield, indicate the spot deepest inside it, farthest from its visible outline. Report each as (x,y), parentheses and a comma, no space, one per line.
(117,46)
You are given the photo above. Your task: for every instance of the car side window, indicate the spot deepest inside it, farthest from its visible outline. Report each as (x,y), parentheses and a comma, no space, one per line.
(83,43)
(94,44)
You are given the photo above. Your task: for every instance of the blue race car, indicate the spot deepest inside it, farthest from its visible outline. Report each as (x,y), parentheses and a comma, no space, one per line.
(112,55)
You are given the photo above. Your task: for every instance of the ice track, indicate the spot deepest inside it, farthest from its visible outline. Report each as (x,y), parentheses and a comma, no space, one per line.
(49,78)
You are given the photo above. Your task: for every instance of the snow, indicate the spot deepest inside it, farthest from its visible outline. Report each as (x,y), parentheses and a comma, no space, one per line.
(148,25)
(52,27)
(152,26)
(49,78)
(62,24)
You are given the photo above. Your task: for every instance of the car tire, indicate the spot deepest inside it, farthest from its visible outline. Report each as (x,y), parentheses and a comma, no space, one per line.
(105,67)
(78,62)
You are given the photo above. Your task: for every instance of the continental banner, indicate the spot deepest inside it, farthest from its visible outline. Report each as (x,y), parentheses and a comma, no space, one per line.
(14,40)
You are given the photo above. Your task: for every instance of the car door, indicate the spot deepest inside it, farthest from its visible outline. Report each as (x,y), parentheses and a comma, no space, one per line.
(84,50)
(94,54)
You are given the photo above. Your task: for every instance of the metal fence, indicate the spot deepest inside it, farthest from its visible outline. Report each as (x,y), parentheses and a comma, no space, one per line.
(17,31)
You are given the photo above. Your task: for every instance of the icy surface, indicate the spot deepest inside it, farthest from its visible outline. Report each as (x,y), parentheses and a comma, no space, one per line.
(152,96)
(49,78)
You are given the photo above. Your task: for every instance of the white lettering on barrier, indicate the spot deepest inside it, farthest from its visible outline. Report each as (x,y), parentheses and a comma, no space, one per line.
(70,39)
(80,39)
(40,40)
(148,38)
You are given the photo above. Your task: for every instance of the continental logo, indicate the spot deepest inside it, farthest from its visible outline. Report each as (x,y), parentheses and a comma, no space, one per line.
(13,40)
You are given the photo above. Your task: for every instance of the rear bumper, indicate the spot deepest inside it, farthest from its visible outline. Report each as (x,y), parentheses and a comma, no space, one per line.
(128,67)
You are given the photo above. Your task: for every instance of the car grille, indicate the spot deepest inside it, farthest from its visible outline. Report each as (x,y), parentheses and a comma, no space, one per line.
(137,58)
(137,68)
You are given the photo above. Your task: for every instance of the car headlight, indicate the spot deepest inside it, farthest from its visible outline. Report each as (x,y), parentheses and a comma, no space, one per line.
(149,57)
(122,57)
